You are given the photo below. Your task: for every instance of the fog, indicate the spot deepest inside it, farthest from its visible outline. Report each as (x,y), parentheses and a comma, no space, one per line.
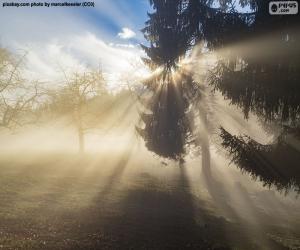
(119,187)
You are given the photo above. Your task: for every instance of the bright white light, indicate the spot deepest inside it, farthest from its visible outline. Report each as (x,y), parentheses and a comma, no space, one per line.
(45,61)
(126,33)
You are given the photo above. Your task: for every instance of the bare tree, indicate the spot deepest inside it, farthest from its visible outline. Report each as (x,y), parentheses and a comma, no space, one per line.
(73,100)
(18,96)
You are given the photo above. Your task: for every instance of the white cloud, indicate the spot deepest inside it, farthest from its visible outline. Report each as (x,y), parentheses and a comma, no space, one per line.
(123,45)
(126,33)
(69,46)
(45,60)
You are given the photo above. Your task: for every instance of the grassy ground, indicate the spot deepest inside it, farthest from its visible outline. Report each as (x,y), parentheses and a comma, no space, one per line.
(112,202)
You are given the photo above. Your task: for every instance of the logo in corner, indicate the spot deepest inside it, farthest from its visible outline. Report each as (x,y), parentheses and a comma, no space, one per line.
(283,8)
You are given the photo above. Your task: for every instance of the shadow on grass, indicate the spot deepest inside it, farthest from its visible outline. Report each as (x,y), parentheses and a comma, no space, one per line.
(149,217)
(143,214)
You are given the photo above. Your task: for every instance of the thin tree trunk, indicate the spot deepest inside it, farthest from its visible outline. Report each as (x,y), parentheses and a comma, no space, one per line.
(205,145)
(205,157)
(80,131)
(202,139)
(81,140)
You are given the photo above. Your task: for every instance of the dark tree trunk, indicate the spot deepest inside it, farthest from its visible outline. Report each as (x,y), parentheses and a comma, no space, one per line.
(204,141)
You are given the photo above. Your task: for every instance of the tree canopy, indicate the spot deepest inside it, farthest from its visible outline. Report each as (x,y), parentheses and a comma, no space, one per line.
(257,70)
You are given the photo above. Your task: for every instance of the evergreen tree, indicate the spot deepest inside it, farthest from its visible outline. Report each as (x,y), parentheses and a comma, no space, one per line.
(258,70)
(274,164)
(260,74)
(168,125)
(172,30)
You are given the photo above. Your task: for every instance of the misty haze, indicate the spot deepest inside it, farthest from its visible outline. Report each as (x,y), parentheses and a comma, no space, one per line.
(161,124)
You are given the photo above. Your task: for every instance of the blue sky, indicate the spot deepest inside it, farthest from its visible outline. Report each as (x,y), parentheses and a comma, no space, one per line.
(75,37)
(107,18)
(113,15)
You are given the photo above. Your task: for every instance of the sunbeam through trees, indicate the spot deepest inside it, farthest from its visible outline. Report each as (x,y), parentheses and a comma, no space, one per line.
(160,124)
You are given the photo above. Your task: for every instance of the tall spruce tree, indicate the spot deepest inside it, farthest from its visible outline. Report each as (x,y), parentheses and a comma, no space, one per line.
(172,30)
(168,125)
(261,70)
(258,71)
(274,164)
(260,74)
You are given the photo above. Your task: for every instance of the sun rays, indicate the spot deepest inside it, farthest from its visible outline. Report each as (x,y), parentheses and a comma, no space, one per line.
(156,143)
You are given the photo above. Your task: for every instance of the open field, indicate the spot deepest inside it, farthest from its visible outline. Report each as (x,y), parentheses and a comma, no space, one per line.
(127,201)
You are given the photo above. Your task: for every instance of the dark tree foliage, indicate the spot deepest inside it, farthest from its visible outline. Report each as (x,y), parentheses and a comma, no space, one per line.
(168,125)
(275,164)
(270,93)
(167,122)
(165,32)
(177,25)
(260,70)
(172,30)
